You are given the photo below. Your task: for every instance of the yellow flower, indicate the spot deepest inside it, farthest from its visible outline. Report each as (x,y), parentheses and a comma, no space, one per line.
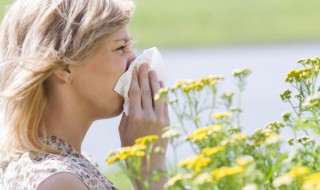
(225,171)
(186,89)
(289,177)
(251,186)
(312,101)
(198,86)
(310,61)
(282,180)
(126,152)
(157,97)
(196,163)
(239,137)
(298,75)
(170,134)
(161,93)
(147,139)
(311,182)
(112,158)
(204,133)
(178,84)
(212,151)
(298,171)
(177,178)
(235,139)
(189,82)
(221,115)
(203,179)
(272,139)
(244,161)
(291,76)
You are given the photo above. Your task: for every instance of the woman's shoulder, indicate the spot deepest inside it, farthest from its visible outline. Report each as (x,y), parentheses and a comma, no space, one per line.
(62,180)
(32,169)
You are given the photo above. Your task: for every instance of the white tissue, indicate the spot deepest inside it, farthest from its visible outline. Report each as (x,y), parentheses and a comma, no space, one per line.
(153,58)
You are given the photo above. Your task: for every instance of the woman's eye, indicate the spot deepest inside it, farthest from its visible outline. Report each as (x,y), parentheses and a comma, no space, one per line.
(121,48)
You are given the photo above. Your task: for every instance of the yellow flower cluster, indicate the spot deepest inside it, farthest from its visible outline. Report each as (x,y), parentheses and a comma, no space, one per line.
(312,101)
(310,61)
(176,179)
(298,171)
(161,93)
(265,136)
(211,151)
(221,115)
(235,139)
(126,152)
(195,163)
(298,75)
(170,134)
(147,140)
(211,79)
(203,179)
(190,85)
(225,171)
(204,133)
(311,182)
(239,137)
(290,176)
(244,161)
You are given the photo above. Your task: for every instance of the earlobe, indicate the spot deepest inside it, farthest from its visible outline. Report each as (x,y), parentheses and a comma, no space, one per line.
(63,74)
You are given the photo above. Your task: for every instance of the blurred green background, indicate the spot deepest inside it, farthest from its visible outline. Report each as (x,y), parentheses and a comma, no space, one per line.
(180,23)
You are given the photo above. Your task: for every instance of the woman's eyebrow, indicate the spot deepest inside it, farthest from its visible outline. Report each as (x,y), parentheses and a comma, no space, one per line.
(126,39)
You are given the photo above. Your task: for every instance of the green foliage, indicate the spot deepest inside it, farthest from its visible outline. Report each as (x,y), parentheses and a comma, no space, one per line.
(212,22)
(3,3)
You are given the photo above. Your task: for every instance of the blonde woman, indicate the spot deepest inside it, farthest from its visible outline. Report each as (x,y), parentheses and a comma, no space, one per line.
(60,60)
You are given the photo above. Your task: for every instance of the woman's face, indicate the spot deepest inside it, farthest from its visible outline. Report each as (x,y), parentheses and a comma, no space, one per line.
(95,80)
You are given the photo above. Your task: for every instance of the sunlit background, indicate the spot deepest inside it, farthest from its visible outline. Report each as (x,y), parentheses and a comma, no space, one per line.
(204,37)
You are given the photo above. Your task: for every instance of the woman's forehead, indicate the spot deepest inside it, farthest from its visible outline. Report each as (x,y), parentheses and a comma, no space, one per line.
(121,35)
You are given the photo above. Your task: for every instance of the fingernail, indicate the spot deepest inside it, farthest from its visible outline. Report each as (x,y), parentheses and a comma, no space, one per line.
(153,73)
(146,65)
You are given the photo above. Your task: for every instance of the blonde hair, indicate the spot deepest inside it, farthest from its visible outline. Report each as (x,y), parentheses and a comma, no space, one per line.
(37,37)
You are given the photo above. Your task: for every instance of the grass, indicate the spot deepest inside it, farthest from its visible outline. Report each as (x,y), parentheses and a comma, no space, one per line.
(176,23)
(118,178)
(212,22)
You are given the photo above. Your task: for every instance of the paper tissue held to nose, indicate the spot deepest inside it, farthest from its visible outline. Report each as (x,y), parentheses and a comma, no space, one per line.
(153,58)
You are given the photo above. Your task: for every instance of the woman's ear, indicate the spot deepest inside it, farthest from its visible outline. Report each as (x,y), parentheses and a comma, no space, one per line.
(63,74)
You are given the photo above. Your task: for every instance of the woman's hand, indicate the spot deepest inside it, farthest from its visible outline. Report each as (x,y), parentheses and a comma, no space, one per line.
(146,116)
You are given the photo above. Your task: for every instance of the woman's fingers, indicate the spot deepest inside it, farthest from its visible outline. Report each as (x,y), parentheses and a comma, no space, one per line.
(146,94)
(134,93)
(155,87)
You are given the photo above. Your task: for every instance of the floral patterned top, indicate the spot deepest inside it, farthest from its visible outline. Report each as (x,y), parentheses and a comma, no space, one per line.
(30,169)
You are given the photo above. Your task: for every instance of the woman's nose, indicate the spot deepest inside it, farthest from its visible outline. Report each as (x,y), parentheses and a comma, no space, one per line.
(131,56)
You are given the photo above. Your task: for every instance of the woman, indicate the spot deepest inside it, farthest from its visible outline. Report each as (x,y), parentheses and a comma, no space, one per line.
(60,60)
